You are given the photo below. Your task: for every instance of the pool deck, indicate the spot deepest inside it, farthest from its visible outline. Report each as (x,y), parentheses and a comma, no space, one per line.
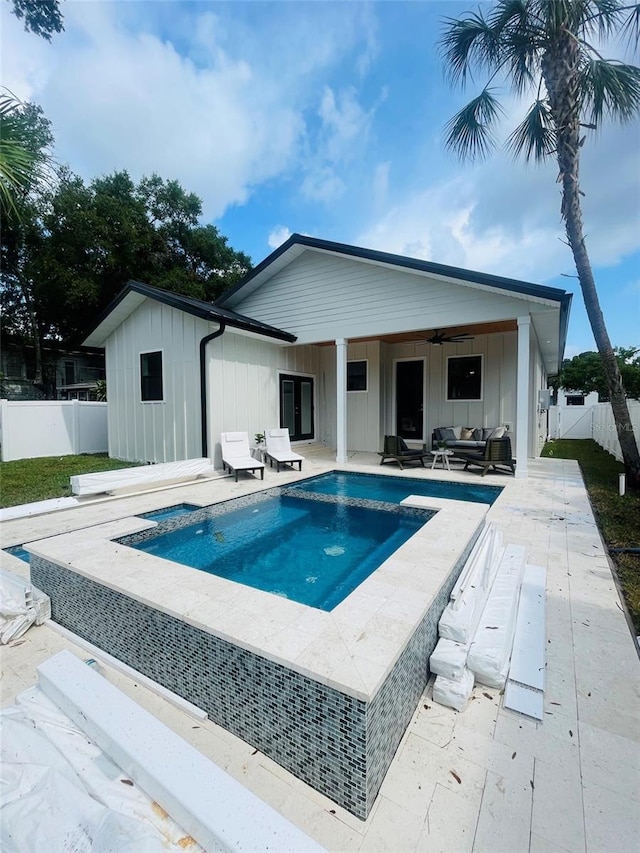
(484,779)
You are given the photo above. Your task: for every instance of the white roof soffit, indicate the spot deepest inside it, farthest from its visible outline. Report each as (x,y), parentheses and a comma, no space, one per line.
(118,315)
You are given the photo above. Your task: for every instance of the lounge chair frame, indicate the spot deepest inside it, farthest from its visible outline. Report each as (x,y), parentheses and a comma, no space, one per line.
(497,452)
(278,449)
(396,450)
(236,455)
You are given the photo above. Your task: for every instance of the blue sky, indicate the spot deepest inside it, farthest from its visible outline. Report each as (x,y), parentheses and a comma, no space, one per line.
(326,119)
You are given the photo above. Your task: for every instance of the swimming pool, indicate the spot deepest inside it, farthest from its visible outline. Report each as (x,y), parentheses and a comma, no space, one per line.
(383,487)
(312,551)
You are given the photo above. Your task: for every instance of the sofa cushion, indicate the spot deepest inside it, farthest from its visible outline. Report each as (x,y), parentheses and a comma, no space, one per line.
(470,445)
(486,432)
(447,434)
(477,434)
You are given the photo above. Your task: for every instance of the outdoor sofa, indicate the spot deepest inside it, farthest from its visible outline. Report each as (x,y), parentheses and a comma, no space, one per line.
(465,438)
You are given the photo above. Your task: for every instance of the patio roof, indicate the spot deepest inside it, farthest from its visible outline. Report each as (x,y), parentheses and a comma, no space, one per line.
(537,293)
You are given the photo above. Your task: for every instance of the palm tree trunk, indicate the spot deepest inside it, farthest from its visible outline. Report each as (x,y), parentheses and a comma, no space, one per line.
(560,72)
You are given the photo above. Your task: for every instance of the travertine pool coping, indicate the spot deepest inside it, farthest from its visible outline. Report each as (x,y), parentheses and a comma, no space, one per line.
(352,648)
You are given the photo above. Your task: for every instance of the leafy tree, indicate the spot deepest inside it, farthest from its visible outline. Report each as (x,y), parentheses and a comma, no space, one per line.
(585,373)
(547,47)
(77,245)
(42,17)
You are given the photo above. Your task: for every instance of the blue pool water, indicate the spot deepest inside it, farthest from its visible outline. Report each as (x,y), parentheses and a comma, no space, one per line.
(311,551)
(169,512)
(19,552)
(394,489)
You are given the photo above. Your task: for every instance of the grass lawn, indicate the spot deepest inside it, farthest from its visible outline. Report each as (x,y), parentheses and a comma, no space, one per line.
(618,517)
(27,480)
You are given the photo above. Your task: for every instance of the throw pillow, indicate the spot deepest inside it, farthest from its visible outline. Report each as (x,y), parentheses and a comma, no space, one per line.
(486,433)
(477,434)
(498,432)
(448,434)
(467,434)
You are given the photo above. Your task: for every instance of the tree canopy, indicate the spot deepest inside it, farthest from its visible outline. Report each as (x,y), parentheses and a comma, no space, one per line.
(585,373)
(42,17)
(78,244)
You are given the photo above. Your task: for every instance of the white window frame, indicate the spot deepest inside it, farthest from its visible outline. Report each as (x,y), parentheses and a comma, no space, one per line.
(147,352)
(366,362)
(479,399)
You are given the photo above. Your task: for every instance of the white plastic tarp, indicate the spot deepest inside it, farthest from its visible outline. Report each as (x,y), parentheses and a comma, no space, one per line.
(454,693)
(490,649)
(460,618)
(449,659)
(60,792)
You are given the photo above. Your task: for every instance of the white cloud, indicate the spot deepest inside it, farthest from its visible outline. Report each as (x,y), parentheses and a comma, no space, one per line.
(221,110)
(279,235)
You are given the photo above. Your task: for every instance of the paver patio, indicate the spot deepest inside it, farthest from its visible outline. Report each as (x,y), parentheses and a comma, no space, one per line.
(487,778)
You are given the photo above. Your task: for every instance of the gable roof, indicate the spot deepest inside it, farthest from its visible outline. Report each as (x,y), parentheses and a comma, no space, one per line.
(134,293)
(297,243)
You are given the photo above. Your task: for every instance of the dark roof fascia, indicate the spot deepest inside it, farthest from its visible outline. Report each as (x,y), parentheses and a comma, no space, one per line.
(197,307)
(509,284)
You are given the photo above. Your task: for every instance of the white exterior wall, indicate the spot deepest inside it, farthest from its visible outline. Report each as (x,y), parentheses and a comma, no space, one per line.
(537,415)
(242,392)
(164,431)
(320,297)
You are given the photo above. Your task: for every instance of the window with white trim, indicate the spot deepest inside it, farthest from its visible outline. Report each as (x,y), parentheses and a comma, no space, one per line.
(151,376)
(464,377)
(357,375)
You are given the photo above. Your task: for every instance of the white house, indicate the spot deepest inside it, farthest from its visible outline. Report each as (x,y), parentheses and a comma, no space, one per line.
(340,344)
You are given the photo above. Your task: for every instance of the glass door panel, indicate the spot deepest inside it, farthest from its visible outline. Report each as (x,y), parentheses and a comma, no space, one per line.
(296,406)
(410,399)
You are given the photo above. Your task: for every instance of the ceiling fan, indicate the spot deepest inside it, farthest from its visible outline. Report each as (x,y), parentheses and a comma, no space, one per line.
(438,338)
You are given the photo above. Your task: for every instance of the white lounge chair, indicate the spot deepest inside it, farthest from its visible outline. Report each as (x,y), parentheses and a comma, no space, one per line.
(236,455)
(279,449)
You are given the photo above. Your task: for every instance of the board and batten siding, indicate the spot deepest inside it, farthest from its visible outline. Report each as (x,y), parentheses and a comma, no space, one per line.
(155,431)
(320,297)
(243,392)
(371,416)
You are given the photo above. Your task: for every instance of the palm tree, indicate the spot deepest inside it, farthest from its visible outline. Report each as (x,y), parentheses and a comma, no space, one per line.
(546,47)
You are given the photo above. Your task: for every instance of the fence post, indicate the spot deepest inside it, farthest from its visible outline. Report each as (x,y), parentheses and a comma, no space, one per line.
(4,423)
(75,438)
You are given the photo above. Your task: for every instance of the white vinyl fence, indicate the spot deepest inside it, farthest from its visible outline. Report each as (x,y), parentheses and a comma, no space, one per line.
(32,428)
(594,422)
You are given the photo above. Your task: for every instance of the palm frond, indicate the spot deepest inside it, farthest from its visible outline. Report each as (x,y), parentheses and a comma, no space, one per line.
(611,89)
(535,136)
(465,43)
(468,133)
(630,29)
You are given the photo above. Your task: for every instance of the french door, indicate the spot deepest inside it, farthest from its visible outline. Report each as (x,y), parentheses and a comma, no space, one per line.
(409,382)
(296,406)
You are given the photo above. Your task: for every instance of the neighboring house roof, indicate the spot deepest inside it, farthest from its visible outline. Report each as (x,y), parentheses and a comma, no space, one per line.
(299,243)
(134,294)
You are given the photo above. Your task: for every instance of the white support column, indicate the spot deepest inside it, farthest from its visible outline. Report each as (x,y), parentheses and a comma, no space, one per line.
(341,400)
(522,398)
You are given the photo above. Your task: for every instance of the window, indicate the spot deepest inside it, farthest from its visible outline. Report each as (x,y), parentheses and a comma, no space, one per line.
(464,377)
(151,376)
(356,376)
(575,400)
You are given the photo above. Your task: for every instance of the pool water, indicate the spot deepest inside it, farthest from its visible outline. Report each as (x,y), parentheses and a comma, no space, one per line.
(19,552)
(175,511)
(314,552)
(391,489)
